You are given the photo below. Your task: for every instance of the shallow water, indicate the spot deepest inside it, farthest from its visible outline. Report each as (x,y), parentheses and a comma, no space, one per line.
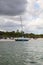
(21,53)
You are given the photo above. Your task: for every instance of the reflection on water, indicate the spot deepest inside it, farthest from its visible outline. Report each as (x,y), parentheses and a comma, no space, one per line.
(21,53)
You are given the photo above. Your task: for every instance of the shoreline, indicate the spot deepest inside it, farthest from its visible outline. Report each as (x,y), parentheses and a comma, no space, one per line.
(7,39)
(14,39)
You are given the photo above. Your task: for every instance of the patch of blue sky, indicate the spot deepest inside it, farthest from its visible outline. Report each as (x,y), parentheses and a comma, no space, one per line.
(35,16)
(36,5)
(36,9)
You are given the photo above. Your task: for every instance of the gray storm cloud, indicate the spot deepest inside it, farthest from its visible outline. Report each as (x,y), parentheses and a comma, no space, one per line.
(12,7)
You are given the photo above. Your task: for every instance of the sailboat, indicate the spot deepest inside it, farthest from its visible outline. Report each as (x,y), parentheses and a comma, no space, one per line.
(21,38)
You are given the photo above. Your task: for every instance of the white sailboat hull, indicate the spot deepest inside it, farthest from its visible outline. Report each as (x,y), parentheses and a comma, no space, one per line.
(21,39)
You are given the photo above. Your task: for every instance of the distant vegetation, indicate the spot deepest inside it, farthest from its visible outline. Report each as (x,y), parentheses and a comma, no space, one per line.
(14,34)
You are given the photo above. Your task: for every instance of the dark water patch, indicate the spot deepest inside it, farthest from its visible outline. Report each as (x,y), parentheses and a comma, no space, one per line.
(33,62)
(41,58)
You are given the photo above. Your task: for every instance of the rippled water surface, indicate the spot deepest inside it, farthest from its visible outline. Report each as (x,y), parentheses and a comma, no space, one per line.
(21,53)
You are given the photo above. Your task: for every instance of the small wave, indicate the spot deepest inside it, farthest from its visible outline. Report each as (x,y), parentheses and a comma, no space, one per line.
(33,62)
(0,55)
(41,58)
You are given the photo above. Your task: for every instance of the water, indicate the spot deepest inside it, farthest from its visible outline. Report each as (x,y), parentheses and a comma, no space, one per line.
(21,53)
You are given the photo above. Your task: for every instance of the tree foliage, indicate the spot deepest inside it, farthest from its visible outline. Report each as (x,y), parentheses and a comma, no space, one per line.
(14,34)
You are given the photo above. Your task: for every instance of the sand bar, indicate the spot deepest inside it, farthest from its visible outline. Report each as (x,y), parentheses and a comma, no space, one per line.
(7,40)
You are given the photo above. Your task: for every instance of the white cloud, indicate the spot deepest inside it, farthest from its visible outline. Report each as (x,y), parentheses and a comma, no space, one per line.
(32,19)
(41,3)
(35,26)
(13,23)
(35,8)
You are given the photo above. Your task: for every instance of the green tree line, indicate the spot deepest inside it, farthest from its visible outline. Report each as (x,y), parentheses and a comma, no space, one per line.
(14,34)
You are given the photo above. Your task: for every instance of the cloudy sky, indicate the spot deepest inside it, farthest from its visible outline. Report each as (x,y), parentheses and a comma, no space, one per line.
(31,12)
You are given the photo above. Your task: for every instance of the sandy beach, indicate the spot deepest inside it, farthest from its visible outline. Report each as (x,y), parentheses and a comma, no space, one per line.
(38,39)
(7,40)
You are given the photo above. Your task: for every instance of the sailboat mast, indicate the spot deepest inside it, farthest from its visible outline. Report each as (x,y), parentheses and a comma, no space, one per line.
(21,24)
